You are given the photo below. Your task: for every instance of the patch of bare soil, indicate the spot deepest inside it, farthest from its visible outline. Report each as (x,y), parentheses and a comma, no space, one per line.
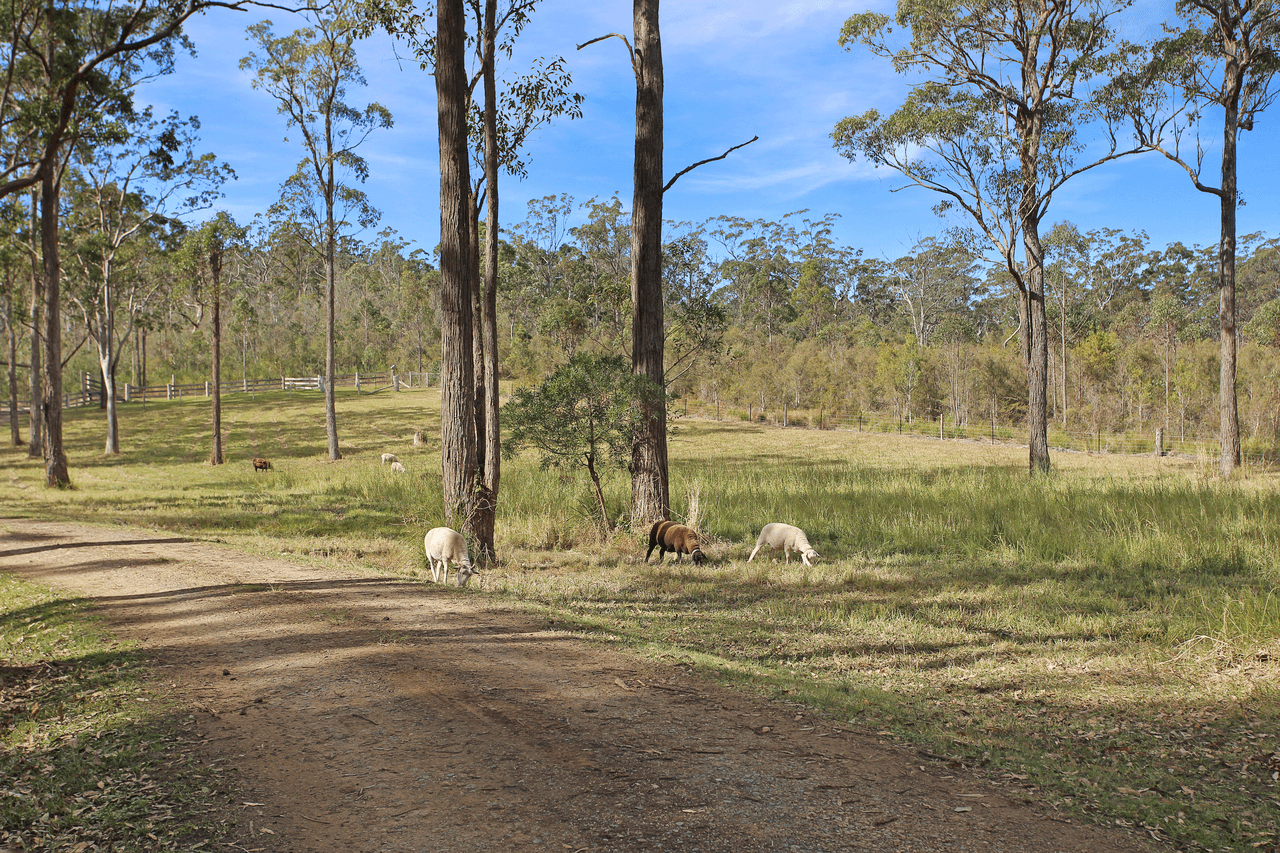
(369,714)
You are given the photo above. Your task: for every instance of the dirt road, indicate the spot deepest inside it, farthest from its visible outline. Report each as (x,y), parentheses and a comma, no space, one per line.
(369,714)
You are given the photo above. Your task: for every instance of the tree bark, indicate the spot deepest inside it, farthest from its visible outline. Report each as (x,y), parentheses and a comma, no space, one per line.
(15,432)
(215,271)
(331,276)
(106,365)
(1030,127)
(490,475)
(1038,365)
(55,457)
(457,416)
(1229,418)
(650,496)
(35,447)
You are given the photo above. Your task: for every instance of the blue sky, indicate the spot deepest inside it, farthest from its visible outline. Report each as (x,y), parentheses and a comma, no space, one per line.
(733,69)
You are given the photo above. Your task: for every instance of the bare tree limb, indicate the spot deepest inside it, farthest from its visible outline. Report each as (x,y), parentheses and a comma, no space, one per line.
(630,51)
(688,169)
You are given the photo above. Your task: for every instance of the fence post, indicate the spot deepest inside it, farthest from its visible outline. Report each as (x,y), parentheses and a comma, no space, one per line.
(284,386)
(357,383)
(126,392)
(1159,442)
(784,415)
(206,388)
(320,383)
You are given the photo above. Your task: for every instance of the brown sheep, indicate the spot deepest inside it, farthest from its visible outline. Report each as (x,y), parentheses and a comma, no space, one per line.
(260,464)
(669,536)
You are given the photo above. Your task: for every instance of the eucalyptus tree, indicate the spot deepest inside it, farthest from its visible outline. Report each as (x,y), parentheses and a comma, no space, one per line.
(457,366)
(13,263)
(56,50)
(203,251)
(650,481)
(997,121)
(76,73)
(935,279)
(310,73)
(125,185)
(500,125)
(698,319)
(1223,54)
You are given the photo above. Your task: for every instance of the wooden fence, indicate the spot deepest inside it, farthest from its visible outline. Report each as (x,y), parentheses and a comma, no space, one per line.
(90,390)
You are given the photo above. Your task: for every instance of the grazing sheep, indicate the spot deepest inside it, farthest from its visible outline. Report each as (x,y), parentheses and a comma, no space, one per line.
(397,467)
(260,464)
(444,545)
(419,440)
(669,536)
(389,459)
(789,539)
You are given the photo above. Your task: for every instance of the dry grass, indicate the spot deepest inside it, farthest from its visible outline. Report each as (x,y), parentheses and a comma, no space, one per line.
(1106,636)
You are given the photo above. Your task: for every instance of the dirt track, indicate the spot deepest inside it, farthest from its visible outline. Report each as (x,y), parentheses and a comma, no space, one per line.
(368,714)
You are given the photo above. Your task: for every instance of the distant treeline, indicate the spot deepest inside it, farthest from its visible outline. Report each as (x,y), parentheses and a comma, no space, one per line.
(759,314)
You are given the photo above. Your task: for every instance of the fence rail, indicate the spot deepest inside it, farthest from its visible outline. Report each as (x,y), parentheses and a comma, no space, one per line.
(90,391)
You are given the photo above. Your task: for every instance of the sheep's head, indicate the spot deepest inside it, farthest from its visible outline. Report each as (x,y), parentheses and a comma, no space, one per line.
(811,556)
(465,571)
(698,557)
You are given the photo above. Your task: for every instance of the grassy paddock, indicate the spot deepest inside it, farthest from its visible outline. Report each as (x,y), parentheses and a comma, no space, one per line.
(1106,636)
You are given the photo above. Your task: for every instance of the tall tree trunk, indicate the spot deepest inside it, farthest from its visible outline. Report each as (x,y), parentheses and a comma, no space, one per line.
(475,292)
(106,364)
(1036,349)
(650,496)
(330,334)
(1229,420)
(215,270)
(457,416)
(15,431)
(1038,365)
(55,457)
(35,448)
(490,475)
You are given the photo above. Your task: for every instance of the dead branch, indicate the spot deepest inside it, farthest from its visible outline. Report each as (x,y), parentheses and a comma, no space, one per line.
(708,160)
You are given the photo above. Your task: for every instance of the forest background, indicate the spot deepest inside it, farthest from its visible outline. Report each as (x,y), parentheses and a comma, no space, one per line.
(763,312)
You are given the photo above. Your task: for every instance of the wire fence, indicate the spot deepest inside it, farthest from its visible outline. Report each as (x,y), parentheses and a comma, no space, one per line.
(1060,439)
(1134,443)
(90,391)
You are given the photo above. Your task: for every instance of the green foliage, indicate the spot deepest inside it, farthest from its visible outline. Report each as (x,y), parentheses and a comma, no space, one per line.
(587,411)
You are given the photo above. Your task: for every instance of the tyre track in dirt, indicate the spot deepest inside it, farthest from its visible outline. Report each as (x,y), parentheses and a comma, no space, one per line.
(371,714)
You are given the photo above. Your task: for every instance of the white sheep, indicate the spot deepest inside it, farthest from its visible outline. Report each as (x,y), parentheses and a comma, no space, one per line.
(397,467)
(443,546)
(789,539)
(389,459)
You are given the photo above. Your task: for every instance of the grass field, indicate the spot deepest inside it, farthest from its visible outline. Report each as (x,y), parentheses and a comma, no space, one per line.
(1108,636)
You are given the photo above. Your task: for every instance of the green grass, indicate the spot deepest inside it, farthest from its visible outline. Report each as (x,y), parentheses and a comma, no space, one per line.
(1107,637)
(92,755)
